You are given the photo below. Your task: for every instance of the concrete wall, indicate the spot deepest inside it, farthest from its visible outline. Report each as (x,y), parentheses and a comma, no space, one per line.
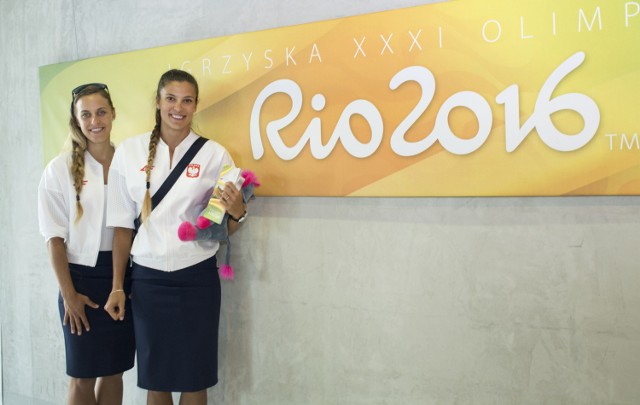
(338,301)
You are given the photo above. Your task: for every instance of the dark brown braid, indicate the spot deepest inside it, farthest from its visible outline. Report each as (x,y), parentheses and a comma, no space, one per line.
(173,75)
(153,142)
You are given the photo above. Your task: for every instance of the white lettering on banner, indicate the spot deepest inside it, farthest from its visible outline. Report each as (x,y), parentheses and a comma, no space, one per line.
(359,50)
(226,65)
(247,60)
(289,54)
(545,107)
(514,133)
(628,13)
(315,52)
(587,21)
(392,44)
(625,142)
(522,36)
(414,40)
(582,17)
(441,130)
(386,43)
(206,66)
(270,65)
(313,134)
(498,33)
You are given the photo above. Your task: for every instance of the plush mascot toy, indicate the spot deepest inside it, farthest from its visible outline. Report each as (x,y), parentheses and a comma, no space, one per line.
(206,229)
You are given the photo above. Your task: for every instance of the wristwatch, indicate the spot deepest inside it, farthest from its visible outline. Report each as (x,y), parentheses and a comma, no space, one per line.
(241,219)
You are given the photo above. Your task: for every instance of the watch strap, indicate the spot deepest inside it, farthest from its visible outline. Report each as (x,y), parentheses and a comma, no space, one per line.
(242,217)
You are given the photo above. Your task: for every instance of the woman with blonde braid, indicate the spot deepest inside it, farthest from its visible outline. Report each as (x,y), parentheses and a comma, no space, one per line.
(71,214)
(175,286)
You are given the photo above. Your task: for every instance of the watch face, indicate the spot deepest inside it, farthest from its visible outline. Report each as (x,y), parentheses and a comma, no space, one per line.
(243,217)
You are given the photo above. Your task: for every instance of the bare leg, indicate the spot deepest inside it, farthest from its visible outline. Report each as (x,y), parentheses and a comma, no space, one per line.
(159,398)
(194,398)
(81,391)
(109,390)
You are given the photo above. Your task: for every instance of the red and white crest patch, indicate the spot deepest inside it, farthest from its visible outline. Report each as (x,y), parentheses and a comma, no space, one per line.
(193,170)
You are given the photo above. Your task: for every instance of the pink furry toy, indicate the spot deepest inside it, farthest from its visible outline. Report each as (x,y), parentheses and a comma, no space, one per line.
(206,229)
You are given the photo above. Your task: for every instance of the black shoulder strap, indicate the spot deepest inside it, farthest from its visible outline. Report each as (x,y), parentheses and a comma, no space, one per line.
(174,175)
(177,171)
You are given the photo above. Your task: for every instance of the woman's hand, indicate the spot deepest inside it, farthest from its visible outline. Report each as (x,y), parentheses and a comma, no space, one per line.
(115,305)
(231,198)
(74,313)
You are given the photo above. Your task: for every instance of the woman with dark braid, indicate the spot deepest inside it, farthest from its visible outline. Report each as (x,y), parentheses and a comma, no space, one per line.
(175,298)
(72,213)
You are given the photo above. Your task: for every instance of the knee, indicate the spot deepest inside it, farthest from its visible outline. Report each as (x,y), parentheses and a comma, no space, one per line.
(112,378)
(196,397)
(158,396)
(82,384)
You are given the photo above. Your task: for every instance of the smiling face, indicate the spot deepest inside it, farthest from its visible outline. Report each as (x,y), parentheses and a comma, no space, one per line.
(94,116)
(177,103)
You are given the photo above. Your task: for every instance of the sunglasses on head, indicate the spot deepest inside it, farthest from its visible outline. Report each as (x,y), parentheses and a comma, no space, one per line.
(78,89)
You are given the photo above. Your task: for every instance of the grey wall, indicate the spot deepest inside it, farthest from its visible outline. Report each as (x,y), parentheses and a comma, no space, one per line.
(338,301)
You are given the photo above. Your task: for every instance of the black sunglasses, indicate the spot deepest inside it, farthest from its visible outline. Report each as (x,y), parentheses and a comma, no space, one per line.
(100,86)
(77,90)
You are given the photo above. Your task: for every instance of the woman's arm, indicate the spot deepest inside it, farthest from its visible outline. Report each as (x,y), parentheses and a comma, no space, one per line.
(74,302)
(122,239)
(232,201)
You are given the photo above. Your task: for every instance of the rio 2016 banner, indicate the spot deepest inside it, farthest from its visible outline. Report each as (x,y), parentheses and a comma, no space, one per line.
(461,98)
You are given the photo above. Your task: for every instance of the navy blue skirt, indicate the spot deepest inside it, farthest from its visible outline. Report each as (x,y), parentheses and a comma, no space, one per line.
(176,317)
(109,347)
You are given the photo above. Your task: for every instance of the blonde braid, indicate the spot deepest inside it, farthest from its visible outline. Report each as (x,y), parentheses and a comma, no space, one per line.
(77,172)
(153,142)
(79,141)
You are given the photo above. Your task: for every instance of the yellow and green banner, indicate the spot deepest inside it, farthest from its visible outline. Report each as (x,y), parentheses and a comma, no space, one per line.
(461,98)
